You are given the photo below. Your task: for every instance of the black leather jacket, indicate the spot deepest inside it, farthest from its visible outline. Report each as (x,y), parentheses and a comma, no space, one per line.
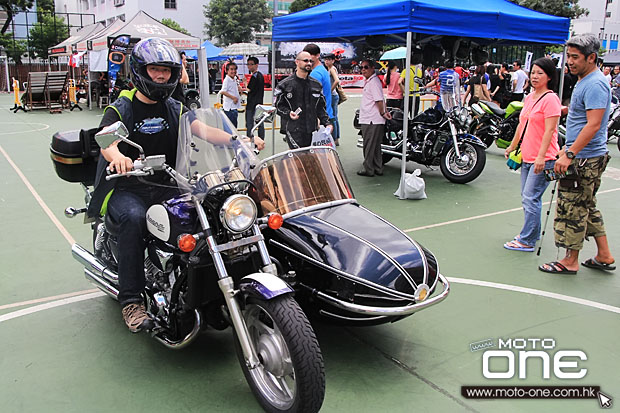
(307,94)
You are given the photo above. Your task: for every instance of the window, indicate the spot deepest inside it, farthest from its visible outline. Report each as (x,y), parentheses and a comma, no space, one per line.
(93,3)
(86,6)
(102,1)
(170,4)
(608,14)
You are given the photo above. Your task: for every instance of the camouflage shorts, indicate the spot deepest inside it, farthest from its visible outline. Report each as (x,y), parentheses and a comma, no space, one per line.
(577,217)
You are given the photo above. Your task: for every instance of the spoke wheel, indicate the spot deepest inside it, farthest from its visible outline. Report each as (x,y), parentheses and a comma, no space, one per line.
(467,167)
(290,377)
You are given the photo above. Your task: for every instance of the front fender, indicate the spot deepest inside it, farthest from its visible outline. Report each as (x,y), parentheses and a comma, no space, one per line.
(468,137)
(263,285)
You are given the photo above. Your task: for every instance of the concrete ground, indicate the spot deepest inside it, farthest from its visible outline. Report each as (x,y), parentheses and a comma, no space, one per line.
(65,348)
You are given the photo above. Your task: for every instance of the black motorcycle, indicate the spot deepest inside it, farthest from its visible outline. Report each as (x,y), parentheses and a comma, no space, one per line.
(206,261)
(435,137)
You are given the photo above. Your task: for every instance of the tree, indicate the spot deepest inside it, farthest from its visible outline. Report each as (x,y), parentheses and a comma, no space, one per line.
(13,49)
(12,7)
(235,21)
(299,5)
(49,31)
(174,26)
(561,8)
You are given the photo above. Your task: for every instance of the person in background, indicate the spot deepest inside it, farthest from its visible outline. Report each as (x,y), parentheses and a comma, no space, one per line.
(256,92)
(569,84)
(477,87)
(577,216)
(394,92)
(415,71)
(301,104)
(320,73)
(179,91)
(232,93)
(330,60)
(212,77)
(539,147)
(373,114)
(505,85)
(519,82)
(449,87)
(607,73)
(494,80)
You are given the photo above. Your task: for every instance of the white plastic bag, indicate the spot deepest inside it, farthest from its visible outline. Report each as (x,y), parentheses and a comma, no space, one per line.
(322,137)
(414,186)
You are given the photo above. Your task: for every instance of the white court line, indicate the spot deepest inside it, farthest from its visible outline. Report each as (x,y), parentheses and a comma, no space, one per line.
(47,306)
(26,131)
(506,211)
(36,196)
(508,287)
(540,293)
(42,300)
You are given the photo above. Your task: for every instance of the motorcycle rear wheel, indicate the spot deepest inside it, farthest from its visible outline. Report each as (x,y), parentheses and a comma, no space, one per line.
(464,170)
(291,376)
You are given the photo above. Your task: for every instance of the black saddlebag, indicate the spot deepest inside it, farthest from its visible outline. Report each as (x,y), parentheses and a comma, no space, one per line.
(74,154)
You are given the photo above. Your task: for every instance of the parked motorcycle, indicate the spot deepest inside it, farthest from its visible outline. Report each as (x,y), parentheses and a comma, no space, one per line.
(206,261)
(435,137)
(613,125)
(493,124)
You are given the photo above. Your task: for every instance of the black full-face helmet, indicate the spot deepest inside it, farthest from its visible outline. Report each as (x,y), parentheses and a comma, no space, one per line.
(154,51)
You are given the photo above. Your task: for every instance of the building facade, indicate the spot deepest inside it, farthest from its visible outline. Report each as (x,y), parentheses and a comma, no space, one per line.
(188,13)
(603,21)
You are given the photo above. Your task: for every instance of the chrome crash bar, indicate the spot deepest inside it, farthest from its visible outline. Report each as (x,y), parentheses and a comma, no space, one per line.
(387,311)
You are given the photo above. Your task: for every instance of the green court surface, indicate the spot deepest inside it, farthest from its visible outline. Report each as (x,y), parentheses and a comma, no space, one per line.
(75,354)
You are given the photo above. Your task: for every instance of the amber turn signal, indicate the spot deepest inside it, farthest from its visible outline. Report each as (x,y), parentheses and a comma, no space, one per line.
(186,242)
(275,221)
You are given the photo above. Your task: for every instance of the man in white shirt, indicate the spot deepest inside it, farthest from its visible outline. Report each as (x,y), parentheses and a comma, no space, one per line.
(607,73)
(232,93)
(519,82)
(373,114)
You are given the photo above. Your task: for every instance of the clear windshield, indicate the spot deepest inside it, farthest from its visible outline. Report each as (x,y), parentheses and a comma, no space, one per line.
(213,161)
(296,179)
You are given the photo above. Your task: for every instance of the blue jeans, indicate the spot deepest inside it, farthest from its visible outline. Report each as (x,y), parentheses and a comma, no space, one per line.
(334,120)
(128,209)
(232,115)
(533,187)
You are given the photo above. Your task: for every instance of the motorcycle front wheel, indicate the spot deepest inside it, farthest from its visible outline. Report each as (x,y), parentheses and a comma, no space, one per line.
(465,169)
(291,375)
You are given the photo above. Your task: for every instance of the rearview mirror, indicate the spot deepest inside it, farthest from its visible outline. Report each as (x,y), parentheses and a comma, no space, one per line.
(262,110)
(115,132)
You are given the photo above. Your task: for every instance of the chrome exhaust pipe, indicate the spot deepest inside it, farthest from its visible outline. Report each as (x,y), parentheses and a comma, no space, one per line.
(101,283)
(93,264)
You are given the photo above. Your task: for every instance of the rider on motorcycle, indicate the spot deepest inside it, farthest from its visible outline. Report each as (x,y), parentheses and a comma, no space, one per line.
(152,118)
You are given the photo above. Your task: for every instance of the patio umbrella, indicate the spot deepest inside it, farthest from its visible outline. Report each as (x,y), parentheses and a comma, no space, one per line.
(394,54)
(244,49)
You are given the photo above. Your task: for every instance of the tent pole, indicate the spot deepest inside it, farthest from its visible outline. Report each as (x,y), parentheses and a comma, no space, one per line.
(408,80)
(90,91)
(273,78)
(561,86)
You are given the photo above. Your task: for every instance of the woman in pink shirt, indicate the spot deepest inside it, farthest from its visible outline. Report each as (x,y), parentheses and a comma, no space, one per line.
(539,117)
(394,93)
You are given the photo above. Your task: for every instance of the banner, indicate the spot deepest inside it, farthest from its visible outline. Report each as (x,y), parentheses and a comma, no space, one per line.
(351,80)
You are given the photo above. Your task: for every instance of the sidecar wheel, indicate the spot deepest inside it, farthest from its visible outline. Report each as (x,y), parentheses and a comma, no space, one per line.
(291,376)
(466,169)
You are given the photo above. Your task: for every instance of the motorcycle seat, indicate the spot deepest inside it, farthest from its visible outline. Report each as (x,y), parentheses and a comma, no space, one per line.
(494,108)
(430,116)
(111,226)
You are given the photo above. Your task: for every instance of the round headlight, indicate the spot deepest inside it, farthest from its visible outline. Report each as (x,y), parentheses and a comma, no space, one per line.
(238,213)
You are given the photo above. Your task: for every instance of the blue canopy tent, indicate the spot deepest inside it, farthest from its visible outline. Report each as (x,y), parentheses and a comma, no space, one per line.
(482,21)
(211,50)
(492,20)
